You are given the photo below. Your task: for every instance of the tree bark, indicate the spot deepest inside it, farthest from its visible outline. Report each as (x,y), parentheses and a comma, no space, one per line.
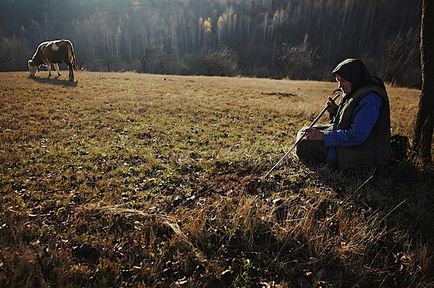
(423,132)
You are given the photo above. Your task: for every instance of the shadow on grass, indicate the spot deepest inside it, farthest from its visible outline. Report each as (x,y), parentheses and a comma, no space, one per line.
(55,81)
(234,230)
(401,192)
(404,193)
(398,200)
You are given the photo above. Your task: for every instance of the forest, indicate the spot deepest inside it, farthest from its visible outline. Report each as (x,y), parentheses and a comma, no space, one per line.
(293,39)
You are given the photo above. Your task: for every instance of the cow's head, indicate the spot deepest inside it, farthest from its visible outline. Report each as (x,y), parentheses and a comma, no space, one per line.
(32,68)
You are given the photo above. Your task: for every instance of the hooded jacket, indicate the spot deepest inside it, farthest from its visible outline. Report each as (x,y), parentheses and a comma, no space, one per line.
(375,150)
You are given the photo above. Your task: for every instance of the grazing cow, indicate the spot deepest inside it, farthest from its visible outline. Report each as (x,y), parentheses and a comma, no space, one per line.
(53,52)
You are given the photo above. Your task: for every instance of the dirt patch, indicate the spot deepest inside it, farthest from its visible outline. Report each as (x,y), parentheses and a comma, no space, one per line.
(279,94)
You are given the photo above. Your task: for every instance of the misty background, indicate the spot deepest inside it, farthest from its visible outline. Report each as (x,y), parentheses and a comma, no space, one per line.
(294,39)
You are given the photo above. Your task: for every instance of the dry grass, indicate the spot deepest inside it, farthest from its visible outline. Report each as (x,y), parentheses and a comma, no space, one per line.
(127,179)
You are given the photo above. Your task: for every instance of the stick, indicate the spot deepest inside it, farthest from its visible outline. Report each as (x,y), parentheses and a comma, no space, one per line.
(360,187)
(391,211)
(301,138)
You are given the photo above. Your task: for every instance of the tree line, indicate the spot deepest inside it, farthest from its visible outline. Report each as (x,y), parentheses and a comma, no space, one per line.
(295,39)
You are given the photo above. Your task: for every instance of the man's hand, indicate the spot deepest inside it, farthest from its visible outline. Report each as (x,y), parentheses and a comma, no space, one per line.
(332,108)
(314,134)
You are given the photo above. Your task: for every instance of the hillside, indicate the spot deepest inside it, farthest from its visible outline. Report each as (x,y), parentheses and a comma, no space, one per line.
(127,179)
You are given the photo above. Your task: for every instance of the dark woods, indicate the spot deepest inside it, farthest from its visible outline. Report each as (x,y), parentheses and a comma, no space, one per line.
(297,39)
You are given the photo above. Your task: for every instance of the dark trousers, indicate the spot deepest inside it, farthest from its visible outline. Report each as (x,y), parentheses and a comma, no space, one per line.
(312,151)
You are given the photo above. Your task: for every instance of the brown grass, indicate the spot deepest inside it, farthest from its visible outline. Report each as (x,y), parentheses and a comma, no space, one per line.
(126,179)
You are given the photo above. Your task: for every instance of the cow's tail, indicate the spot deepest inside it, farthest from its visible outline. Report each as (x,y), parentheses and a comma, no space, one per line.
(71,56)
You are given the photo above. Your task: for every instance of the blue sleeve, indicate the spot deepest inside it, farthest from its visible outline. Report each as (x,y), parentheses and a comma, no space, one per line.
(365,116)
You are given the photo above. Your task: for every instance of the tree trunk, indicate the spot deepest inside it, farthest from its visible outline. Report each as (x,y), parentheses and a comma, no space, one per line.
(423,132)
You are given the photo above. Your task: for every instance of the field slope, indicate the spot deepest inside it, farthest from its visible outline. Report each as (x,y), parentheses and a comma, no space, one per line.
(127,179)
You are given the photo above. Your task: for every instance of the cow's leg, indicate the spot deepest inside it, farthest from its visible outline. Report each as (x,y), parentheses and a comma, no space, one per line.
(49,70)
(56,66)
(71,72)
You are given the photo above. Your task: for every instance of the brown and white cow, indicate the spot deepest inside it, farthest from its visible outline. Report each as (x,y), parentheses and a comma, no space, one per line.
(53,52)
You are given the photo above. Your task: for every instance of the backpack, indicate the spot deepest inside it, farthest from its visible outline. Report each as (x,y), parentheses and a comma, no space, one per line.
(398,148)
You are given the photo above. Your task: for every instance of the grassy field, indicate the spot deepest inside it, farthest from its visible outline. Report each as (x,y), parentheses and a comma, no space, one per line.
(127,179)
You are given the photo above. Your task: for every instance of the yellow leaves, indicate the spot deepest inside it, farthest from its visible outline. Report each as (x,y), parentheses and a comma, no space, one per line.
(206,24)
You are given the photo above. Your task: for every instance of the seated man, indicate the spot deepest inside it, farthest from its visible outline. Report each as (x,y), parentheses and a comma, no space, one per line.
(360,133)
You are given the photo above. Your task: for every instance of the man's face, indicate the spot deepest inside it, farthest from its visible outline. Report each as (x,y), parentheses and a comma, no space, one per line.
(343,84)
